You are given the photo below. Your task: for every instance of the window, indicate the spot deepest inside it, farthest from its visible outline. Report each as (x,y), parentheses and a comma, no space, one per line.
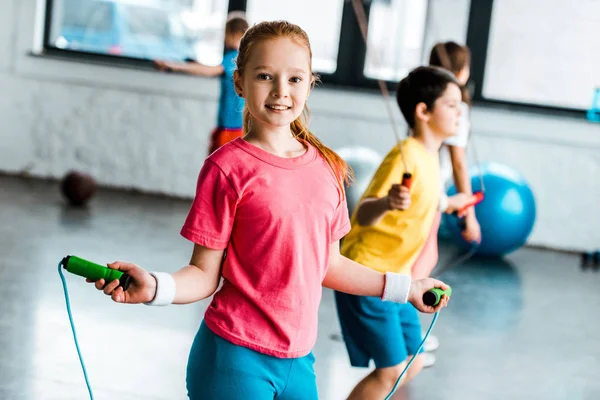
(93,17)
(395,36)
(205,22)
(146,21)
(145,30)
(135,31)
(320,19)
(538,52)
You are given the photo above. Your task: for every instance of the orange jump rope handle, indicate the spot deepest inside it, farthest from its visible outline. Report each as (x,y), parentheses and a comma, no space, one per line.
(475,199)
(407,179)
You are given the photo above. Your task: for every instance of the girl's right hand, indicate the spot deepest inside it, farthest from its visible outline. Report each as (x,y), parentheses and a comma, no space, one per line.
(141,290)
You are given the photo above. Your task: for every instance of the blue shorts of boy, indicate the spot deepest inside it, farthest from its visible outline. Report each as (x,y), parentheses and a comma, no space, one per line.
(220,370)
(377,330)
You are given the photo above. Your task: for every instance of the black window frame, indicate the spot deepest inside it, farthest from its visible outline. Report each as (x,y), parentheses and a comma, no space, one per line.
(351,58)
(478,35)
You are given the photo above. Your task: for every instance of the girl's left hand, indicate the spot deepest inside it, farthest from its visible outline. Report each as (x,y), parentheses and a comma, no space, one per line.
(419,287)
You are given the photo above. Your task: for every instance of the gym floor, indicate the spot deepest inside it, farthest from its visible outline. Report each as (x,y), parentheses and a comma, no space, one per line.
(525,327)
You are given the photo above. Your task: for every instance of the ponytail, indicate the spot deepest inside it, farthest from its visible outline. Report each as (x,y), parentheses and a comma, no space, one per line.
(341,169)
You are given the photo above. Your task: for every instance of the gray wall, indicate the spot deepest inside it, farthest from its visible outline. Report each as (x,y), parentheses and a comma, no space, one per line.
(145,130)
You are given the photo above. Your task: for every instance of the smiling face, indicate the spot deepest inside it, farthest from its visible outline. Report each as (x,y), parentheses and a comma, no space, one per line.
(275,82)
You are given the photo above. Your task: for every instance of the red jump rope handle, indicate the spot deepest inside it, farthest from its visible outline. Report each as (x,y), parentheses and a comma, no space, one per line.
(475,199)
(407,179)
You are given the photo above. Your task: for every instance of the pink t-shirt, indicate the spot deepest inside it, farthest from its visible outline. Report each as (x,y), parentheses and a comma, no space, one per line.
(277,218)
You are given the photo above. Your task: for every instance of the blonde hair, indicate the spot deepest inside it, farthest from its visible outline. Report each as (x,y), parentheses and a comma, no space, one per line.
(299,127)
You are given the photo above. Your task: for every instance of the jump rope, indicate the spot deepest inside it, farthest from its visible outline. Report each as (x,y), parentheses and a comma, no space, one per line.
(95,272)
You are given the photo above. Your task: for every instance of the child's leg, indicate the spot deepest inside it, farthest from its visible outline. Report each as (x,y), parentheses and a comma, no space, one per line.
(229,134)
(220,136)
(382,380)
(379,383)
(302,381)
(382,331)
(428,257)
(213,143)
(213,372)
(218,369)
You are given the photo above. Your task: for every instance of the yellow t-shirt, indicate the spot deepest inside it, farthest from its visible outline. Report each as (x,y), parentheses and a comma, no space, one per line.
(395,242)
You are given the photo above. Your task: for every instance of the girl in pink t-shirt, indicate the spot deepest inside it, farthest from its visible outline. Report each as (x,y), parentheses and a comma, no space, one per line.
(268,215)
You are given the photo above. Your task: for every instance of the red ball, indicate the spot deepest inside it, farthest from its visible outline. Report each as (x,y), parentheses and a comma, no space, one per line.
(77,188)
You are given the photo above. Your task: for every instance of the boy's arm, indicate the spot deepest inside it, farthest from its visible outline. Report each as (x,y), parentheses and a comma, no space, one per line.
(371,210)
(193,68)
(384,193)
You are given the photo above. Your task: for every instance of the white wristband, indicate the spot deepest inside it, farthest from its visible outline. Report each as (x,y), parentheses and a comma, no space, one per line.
(165,289)
(397,287)
(443,204)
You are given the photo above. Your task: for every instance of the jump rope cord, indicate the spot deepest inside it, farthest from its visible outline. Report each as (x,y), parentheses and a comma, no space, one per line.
(435,317)
(85,375)
(361,17)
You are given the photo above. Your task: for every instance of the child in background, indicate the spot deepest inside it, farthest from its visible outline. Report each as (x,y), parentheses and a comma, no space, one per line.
(390,227)
(268,215)
(229,119)
(453,157)
(453,163)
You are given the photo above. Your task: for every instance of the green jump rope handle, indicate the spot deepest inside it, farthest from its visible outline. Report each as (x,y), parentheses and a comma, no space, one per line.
(94,272)
(433,296)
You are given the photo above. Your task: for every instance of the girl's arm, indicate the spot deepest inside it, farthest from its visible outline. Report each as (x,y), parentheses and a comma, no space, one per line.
(460,170)
(194,68)
(462,181)
(200,279)
(192,283)
(345,275)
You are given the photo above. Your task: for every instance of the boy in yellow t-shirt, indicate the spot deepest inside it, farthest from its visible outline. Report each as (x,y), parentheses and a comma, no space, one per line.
(390,226)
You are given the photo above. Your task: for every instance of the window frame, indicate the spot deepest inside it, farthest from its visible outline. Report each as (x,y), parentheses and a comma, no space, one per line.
(478,35)
(351,57)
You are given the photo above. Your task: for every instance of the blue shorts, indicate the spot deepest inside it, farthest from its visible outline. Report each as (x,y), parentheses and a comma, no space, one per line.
(384,332)
(218,369)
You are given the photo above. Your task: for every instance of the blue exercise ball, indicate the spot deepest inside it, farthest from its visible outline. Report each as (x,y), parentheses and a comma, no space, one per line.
(506,215)
(364,162)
